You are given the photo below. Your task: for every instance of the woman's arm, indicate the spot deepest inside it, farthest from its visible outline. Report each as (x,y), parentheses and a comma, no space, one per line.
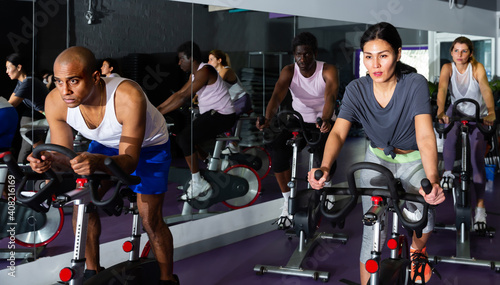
(484,87)
(14,100)
(444,79)
(426,141)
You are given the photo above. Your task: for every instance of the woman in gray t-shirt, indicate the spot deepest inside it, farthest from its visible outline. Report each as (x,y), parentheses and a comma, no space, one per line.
(392,104)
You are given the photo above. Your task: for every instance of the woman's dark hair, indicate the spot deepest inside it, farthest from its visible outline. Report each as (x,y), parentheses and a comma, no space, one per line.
(305,39)
(112,63)
(194,53)
(17,59)
(387,32)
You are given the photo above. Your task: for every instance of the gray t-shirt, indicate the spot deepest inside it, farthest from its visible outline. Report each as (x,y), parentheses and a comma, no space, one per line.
(23,90)
(393,126)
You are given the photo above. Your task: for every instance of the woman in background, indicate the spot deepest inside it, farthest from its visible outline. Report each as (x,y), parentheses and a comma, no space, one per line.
(465,77)
(241,100)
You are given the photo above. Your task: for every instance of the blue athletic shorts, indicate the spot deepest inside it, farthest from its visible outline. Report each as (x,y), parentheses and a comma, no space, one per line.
(153,167)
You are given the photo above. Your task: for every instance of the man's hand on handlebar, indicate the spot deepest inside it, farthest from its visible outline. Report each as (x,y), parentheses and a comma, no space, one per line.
(318,183)
(325,126)
(43,164)
(86,163)
(435,197)
(262,123)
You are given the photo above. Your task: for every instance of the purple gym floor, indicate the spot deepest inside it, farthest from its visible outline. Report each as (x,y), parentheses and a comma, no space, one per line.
(233,264)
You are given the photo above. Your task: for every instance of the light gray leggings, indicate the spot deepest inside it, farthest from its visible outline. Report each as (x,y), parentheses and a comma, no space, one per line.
(410,174)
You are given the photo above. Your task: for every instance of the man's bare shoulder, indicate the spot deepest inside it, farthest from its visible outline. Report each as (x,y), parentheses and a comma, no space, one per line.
(129,93)
(55,106)
(287,71)
(330,72)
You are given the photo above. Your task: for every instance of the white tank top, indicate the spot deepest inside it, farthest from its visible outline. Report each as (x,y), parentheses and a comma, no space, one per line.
(236,90)
(108,133)
(214,96)
(466,86)
(308,93)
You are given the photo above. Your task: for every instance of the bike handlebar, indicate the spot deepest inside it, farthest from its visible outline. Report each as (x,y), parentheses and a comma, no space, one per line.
(394,191)
(284,120)
(458,117)
(52,187)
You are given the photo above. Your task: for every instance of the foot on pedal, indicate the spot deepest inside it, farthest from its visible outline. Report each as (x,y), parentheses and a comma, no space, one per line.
(480,221)
(447,181)
(197,190)
(231,149)
(284,222)
(421,269)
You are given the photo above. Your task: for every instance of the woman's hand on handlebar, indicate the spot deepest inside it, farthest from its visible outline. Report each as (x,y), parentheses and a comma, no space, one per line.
(43,164)
(435,197)
(490,119)
(443,118)
(317,183)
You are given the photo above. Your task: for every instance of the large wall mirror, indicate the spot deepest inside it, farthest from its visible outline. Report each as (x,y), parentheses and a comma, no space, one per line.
(143,36)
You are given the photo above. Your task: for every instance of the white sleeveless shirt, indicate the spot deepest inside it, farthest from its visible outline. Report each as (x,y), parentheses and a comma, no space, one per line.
(466,86)
(214,96)
(236,90)
(308,93)
(109,132)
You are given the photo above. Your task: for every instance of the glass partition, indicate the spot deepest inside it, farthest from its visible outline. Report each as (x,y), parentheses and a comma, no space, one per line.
(143,38)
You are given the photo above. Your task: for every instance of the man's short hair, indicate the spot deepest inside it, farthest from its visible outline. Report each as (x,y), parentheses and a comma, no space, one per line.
(305,39)
(191,50)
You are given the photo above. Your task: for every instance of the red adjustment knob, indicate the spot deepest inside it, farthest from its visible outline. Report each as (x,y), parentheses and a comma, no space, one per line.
(80,182)
(392,244)
(464,122)
(371,266)
(66,274)
(127,246)
(295,134)
(377,200)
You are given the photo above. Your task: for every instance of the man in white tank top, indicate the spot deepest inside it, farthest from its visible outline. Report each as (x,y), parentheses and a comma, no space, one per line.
(124,125)
(314,87)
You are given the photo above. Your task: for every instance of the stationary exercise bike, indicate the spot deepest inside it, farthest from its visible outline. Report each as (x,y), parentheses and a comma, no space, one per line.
(33,230)
(461,191)
(236,186)
(304,205)
(255,157)
(28,232)
(134,271)
(396,269)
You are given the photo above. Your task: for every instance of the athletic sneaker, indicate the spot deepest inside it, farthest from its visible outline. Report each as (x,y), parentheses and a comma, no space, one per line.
(197,190)
(330,199)
(480,219)
(420,266)
(231,149)
(412,216)
(285,220)
(447,181)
